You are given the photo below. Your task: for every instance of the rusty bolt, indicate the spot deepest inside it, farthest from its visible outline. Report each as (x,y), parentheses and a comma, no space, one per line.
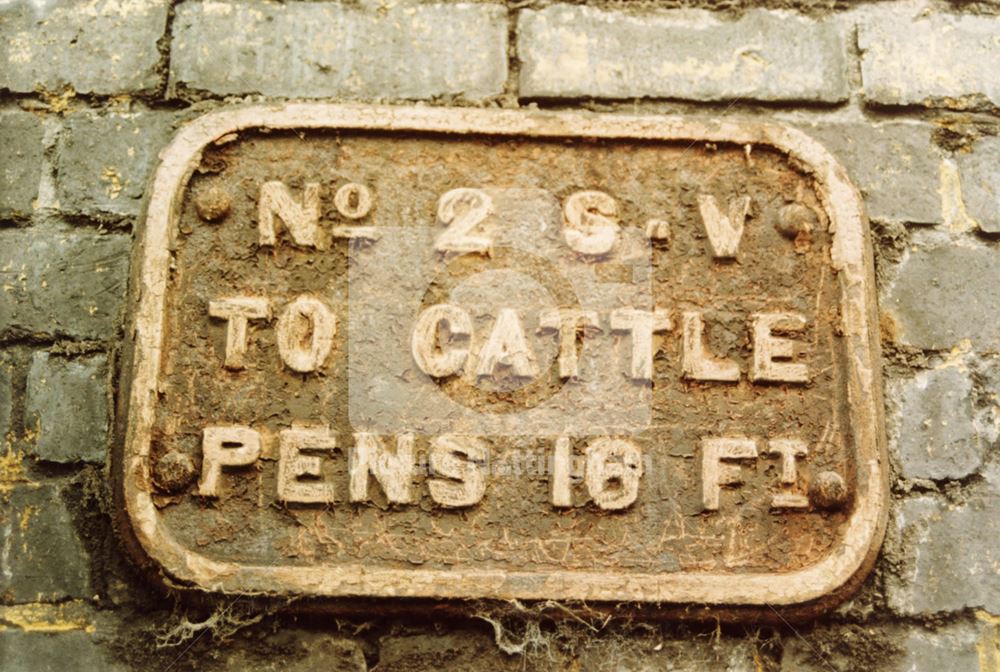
(174,471)
(828,490)
(795,219)
(213,204)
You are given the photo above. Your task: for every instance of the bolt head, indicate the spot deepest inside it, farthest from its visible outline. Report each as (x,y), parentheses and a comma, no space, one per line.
(794,220)
(174,471)
(213,204)
(828,490)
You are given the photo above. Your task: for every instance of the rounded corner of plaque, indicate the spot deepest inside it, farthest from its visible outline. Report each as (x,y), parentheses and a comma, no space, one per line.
(171,565)
(846,579)
(805,147)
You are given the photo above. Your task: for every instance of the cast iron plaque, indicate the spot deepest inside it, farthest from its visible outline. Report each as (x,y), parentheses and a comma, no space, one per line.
(444,353)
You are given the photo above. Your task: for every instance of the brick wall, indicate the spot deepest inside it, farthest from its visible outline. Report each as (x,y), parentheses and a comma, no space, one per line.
(906,94)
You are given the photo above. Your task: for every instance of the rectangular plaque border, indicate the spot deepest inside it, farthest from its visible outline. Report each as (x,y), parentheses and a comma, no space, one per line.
(815,587)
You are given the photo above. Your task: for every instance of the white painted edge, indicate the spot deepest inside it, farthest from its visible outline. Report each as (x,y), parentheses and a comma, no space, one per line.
(851,258)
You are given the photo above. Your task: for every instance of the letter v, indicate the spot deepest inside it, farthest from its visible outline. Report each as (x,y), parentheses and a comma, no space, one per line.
(724,233)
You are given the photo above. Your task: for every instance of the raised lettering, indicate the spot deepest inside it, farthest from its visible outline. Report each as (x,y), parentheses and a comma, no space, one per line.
(568,324)
(300,479)
(458,479)
(461,210)
(642,324)
(697,362)
(432,358)
(716,471)
(789,450)
(614,468)
(305,334)
(768,349)
(301,220)
(562,495)
(353,200)
(724,233)
(237,311)
(507,347)
(590,222)
(393,471)
(225,446)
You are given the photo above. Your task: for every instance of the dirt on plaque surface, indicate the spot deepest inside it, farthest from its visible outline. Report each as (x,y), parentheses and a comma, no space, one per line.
(775,512)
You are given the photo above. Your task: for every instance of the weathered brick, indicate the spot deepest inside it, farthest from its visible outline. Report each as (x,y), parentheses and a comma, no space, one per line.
(470,651)
(949,552)
(6,398)
(639,654)
(301,651)
(61,284)
(77,650)
(21,137)
(99,46)
(987,374)
(577,51)
(456,650)
(893,164)
(105,161)
(943,295)
(890,648)
(952,647)
(43,559)
(67,408)
(937,436)
(981,182)
(321,49)
(930,57)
